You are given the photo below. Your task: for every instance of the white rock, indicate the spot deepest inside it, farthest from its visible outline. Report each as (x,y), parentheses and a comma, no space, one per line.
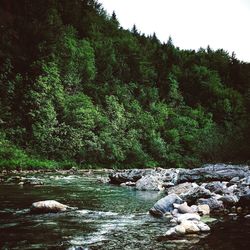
(48,206)
(204,209)
(190,226)
(203,227)
(170,232)
(183,208)
(188,216)
(180,229)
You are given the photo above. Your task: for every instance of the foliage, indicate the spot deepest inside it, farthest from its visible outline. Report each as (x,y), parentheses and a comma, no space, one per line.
(77,88)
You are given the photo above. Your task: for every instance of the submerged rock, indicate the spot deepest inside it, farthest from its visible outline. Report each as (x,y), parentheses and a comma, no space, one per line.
(165,205)
(48,206)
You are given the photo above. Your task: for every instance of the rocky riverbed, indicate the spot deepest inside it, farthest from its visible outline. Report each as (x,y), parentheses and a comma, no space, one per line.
(145,209)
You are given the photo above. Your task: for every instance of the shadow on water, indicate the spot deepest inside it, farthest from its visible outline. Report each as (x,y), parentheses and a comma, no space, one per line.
(109,217)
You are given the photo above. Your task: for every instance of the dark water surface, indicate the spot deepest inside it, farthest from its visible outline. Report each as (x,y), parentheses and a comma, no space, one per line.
(108,217)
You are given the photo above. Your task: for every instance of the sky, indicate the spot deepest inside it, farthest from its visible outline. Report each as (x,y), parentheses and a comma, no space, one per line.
(190,23)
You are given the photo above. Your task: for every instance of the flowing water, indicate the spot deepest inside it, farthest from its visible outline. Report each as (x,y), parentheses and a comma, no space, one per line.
(108,217)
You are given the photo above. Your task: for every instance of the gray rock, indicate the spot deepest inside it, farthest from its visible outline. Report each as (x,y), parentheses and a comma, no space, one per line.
(212,202)
(229,200)
(216,172)
(150,183)
(194,194)
(216,187)
(165,205)
(181,188)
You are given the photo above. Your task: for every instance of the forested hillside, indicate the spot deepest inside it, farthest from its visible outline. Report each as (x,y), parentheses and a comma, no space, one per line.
(77,87)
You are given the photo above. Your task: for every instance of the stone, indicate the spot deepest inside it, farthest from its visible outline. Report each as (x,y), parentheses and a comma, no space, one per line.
(179,229)
(48,206)
(171,232)
(213,172)
(150,183)
(183,208)
(194,194)
(247,216)
(128,184)
(203,209)
(203,227)
(229,200)
(181,188)
(165,205)
(212,202)
(190,226)
(188,216)
(216,187)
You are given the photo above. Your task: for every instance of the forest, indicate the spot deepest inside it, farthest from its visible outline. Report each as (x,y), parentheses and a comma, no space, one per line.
(77,89)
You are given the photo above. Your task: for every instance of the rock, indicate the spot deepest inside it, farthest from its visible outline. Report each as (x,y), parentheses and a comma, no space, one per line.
(203,209)
(32,182)
(171,232)
(194,194)
(247,216)
(179,229)
(150,183)
(155,177)
(48,206)
(184,208)
(203,227)
(212,202)
(190,226)
(181,188)
(216,187)
(229,200)
(126,175)
(188,216)
(128,184)
(216,172)
(165,205)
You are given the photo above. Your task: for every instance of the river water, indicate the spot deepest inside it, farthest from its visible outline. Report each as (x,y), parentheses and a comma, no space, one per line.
(108,217)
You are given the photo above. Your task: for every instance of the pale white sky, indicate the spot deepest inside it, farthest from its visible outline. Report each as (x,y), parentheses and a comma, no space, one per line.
(191,23)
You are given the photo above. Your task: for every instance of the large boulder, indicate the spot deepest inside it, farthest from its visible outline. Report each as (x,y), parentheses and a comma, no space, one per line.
(132,175)
(194,194)
(216,172)
(148,179)
(165,205)
(150,183)
(48,206)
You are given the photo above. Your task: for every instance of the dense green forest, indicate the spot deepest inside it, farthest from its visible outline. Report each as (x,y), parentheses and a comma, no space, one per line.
(77,88)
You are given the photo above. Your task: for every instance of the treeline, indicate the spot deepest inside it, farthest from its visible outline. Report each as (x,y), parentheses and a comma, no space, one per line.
(75,86)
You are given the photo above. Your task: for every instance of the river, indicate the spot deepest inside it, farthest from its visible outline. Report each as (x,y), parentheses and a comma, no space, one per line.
(108,217)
